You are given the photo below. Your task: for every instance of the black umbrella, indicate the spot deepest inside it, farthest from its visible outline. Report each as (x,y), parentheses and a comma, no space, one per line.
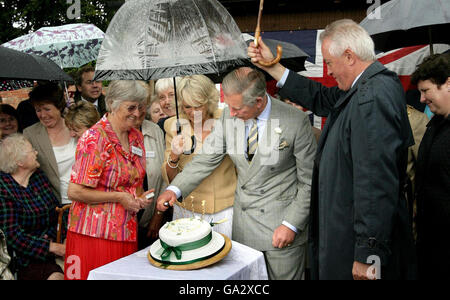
(402,23)
(19,65)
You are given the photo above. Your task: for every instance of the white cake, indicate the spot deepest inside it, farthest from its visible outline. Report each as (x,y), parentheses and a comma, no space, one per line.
(185,230)
(192,237)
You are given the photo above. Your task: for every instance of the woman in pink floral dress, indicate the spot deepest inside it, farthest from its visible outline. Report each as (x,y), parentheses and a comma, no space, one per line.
(106,184)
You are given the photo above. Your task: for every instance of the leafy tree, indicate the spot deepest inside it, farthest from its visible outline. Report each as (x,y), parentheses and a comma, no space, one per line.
(19,17)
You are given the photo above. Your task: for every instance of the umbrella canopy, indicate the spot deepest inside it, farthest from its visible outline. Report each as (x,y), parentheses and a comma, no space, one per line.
(152,39)
(293,57)
(71,45)
(19,65)
(404,23)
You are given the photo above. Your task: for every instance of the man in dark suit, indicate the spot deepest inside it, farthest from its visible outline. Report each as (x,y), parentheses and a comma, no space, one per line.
(90,90)
(358,208)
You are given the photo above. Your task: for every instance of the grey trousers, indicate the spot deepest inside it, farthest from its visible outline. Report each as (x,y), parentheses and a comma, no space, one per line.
(287,263)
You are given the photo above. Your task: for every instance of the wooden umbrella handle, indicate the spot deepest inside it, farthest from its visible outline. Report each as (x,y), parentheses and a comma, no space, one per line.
(258,34)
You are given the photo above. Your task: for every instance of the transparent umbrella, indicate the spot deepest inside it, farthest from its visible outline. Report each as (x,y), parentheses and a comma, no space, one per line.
(152,39)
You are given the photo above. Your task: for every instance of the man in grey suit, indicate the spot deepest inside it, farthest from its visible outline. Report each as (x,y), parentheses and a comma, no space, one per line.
(273,191)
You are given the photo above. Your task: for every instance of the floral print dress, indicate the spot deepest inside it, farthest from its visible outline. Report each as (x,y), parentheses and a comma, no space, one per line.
(102,164)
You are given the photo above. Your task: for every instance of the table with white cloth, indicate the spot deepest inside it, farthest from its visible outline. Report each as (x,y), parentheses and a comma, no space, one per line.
(241,263)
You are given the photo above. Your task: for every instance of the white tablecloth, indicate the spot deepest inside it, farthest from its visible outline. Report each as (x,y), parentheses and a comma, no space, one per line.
(241,263)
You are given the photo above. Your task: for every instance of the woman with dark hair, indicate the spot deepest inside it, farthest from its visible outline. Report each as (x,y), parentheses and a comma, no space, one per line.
(51,137)
(433,169)
(9,120)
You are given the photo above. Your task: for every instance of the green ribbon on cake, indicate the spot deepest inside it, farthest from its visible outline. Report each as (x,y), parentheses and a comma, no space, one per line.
(178,250)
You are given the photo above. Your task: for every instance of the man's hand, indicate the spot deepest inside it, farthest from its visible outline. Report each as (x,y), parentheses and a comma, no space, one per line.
(166,197)
(262,52)
(360,271)
(282,237)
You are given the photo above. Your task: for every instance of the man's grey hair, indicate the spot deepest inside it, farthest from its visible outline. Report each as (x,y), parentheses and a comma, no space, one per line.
(12,151)
(347,34)
(125,90)
(248,82)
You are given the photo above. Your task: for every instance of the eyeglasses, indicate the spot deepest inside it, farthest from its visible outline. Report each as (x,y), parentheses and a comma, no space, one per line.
(32,150)
(132,108)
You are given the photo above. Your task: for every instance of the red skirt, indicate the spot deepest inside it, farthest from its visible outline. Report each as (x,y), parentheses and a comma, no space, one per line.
(85,253)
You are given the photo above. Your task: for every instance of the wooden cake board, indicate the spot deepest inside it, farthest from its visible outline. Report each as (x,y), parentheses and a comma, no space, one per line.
(197,265)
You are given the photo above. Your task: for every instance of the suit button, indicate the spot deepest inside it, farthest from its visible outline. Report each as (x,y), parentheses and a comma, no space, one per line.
(243,188)
(272,169)
(262,191)
(244,209)
(262,210)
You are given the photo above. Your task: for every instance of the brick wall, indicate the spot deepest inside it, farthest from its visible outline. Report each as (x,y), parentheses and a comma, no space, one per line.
(297,21)
(15,97)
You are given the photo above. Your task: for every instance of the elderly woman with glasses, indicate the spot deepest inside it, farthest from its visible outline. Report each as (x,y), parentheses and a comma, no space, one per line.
(27,211)
(106,184)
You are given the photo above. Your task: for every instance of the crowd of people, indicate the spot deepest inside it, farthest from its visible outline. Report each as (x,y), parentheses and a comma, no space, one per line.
(367,197)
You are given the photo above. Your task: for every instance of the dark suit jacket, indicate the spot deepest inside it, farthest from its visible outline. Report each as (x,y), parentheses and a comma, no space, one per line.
(27,114)
(101,108)
(433,199)
(357,207)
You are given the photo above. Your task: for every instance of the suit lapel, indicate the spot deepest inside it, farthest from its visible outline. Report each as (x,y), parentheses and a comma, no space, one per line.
(46,148)
(373,69)
(264,141)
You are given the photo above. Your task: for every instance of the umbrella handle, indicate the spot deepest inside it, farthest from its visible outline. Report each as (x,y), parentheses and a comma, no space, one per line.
(194,144)
(193,139)
(258,34)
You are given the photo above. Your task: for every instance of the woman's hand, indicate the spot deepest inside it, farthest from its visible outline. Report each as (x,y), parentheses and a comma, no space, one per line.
(155,224)
(57,249)
(177,147)
(143,201)
(129,202)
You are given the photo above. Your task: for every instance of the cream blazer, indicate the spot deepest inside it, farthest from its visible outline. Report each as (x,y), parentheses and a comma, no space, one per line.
(154,151)
(217,189)
(38,137)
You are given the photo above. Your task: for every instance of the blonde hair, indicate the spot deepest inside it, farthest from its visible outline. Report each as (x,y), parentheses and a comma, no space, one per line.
(11,152)
(347,34)
(196,91)
(82,114)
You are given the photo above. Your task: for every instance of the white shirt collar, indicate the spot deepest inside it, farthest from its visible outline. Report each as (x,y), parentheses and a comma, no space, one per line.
(356,79)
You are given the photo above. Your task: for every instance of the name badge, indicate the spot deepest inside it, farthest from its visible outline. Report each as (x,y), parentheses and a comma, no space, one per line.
(136,150)
(150,154)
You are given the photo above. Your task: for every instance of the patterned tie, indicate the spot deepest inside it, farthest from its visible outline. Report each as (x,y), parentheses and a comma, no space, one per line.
(252,142)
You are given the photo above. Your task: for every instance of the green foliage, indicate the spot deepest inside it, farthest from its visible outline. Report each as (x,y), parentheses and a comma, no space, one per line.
(19,17)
